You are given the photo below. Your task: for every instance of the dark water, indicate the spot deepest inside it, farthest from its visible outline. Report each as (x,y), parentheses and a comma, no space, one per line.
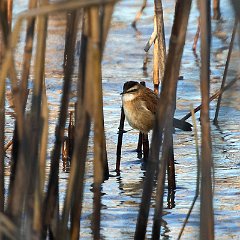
(123,60)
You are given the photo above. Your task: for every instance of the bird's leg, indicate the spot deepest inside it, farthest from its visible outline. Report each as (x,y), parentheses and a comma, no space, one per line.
(145,146)
(139,146)
(119,144)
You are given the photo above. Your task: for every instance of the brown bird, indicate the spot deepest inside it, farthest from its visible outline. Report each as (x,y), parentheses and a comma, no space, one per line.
(140,106)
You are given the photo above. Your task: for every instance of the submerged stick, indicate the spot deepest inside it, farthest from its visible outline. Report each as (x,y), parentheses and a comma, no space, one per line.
(225,70)
(196,37)
(139,14)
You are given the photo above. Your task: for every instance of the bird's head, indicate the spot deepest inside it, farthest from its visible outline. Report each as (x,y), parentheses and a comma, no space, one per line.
(131,87)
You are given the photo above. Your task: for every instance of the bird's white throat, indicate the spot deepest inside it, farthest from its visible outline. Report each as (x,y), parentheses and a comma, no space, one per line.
(128,97)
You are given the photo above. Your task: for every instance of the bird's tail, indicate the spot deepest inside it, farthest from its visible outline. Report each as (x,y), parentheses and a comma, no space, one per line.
(185,126)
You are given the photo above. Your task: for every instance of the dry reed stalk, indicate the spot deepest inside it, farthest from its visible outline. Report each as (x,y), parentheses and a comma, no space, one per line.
(39,170)
(5,28)
(97,118)
(198,173)
(214,96)
(105,23)
(206,200)
(169,87)
(226,70)
(167,150)
(161,55)
(166,109)
(50,202)
(25,167)
(99,139)
(2,150)
(83,121)
(61,7)
(2,107)
(74,194)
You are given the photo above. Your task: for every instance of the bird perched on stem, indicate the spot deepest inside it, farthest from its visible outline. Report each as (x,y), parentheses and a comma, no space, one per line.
(140,107)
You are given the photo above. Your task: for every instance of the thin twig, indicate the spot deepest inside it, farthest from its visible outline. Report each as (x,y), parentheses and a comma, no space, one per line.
(214,96)
(226,70)
(198,172)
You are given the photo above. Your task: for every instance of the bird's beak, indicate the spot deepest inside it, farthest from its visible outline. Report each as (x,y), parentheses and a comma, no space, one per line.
(122,93)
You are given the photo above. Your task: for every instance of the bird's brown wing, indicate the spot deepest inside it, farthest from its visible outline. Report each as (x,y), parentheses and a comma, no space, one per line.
(151,100)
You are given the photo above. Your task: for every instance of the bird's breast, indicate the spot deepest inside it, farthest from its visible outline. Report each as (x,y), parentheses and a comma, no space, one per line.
(137,115)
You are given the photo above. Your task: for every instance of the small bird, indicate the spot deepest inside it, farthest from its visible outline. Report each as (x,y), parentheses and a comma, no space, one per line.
(140,107)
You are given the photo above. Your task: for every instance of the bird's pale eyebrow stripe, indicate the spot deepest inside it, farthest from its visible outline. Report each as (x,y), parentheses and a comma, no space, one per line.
(132,90)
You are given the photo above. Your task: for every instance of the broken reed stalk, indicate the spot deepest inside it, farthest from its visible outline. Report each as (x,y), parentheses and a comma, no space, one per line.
(214,96)
(160,40)
(139,14)
(215,120)
(206,200)
(198,173)
(166,109)
(119,143)
(156,60)
(50,202)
